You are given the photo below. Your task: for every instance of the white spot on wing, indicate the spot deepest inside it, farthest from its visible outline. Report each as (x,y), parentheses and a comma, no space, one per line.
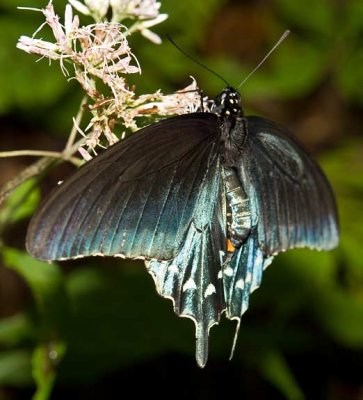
(210,290)
(220,275)
(173,268)
(259,259)
(240,284)
(228,271)
(248,278)
(221,256)
(189,284)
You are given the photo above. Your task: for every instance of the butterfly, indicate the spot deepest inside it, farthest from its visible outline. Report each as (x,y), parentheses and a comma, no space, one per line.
(207,199)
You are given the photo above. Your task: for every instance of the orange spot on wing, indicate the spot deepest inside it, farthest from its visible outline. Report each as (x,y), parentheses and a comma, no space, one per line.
(230,247)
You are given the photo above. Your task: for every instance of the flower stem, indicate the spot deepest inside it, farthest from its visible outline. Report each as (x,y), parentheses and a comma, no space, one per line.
(74,130)
(38,153)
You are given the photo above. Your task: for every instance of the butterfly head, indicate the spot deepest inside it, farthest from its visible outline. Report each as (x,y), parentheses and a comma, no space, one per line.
(228,103)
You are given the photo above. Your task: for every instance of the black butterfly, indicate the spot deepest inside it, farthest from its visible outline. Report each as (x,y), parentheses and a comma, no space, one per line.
(206,198)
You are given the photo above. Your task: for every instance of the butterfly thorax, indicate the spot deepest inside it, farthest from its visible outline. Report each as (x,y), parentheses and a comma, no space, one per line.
(233,125)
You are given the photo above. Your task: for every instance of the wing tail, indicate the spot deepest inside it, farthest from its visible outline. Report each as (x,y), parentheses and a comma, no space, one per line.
(241,276)
(192,280)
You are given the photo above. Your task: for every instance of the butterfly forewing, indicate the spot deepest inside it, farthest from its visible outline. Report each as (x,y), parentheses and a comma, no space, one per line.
(291,200)
(137,199)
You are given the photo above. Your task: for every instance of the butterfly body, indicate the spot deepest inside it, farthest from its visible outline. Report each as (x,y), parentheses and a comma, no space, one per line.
(177,192)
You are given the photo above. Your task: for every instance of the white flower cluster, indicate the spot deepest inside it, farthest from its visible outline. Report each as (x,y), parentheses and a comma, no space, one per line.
(100,53)
(145,12)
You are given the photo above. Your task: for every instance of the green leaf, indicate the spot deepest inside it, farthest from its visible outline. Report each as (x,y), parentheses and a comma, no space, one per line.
(15,329)
(345,169)
(15,367)
(17,90)
(353,23)
(341,315)
(21,203)
(350,77)
(312,269)
(43,278)
(47,285)
(288,77)
(119,320)
(274,368)
(315,16)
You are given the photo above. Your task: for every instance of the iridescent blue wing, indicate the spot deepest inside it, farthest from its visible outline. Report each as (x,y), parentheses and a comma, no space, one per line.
(193,279)
(241,276)
(158,195)
(291,205)
(291,201)
(135,200)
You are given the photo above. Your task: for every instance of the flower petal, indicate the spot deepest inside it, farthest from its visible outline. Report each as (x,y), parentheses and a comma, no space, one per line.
(80,7)
(152,36)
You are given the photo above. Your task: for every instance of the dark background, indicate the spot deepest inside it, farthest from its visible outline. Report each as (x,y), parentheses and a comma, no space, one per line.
(97,327)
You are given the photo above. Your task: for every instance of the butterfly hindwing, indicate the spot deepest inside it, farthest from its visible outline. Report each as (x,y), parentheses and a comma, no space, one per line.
(193,278)
(243,274)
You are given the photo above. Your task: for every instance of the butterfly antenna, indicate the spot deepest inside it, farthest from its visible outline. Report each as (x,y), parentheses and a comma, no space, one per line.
(282,38)
(195,60)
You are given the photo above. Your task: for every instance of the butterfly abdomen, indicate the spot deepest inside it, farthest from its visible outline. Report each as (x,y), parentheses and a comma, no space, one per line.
(239,215)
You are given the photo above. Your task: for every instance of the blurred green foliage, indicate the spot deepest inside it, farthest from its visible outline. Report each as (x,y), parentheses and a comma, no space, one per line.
(89,319)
